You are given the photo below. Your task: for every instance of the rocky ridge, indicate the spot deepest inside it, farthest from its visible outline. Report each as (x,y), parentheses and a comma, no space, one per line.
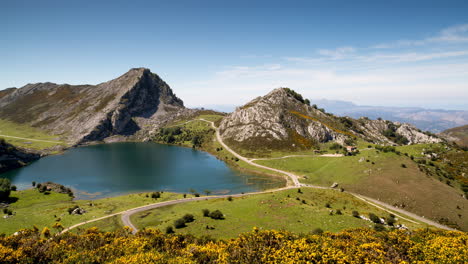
(283,119)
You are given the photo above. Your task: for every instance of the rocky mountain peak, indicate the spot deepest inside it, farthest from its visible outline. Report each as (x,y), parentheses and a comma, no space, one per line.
(283,119)
(81,113)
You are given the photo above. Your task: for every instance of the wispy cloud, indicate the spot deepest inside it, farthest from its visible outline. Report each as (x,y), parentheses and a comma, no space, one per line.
(363,75)
(454,34)
(338,53)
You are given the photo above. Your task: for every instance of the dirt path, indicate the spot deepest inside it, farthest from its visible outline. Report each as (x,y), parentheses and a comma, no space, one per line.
(125,215)
(31,139)
(301,156)
(292,176)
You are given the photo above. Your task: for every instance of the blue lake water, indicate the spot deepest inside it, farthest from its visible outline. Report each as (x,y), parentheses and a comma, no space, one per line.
(113,169)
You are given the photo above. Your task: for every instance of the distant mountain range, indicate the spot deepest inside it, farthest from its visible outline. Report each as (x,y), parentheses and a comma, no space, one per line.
(434,120)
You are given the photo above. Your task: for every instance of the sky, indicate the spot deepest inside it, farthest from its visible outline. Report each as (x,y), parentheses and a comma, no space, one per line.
(225,53)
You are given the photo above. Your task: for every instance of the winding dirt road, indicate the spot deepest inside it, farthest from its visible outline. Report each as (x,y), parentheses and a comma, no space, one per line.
(125,215)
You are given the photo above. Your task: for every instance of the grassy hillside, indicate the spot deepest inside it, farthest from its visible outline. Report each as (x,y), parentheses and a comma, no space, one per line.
(32,208)
(392,178)
(286,210)
(33,138)
(458,134)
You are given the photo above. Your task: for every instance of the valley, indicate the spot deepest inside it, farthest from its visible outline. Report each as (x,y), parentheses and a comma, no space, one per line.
(271,139)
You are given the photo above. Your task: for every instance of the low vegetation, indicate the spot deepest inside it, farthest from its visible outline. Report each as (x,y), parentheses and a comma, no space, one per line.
(379,174)
(287,210)
(9,130)
(32,208)
(257,246)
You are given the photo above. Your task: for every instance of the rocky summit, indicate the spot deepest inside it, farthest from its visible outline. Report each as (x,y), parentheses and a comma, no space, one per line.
(283,119)
(126,106)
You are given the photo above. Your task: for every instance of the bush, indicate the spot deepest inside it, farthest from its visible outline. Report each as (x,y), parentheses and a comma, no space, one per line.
(391,220)
(374,218)
(188,218)
(379,227)
(356,214)
(179,223)
(338,212)
(5,188)
(327,205)
(217,215)
(13,188)
(156,195)
(229,198)
(206,212)
(169,230)
(317,231)
(403,165)
(196,194)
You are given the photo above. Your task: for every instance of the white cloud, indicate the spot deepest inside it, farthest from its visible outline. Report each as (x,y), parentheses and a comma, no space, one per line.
(338,53)
(366,76)
(450,35)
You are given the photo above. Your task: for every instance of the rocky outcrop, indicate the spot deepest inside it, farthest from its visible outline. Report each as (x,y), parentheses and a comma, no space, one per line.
(82,113)
(414,136)
(278,120)
(12,157)
(283,119)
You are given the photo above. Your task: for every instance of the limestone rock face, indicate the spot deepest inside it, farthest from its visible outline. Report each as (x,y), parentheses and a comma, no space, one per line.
(414,136)
(82,113)
(275,120)
(283,119)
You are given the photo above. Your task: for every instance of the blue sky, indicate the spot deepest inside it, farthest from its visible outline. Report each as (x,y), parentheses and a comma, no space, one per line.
(216,53)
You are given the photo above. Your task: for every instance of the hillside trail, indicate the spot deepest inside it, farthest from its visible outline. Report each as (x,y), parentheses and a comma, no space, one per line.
(31,139)
(125,215)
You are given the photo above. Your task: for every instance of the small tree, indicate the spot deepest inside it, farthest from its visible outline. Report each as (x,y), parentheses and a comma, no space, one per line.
(391,220)
(206,212)
(169,230)
(207,192)
(5,188)
(179,223)
(34,184)
(356,214)
(217,215)
(188,218)
(374,218)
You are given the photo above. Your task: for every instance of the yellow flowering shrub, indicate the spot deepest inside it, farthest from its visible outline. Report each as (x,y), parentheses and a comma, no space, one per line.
(152,246)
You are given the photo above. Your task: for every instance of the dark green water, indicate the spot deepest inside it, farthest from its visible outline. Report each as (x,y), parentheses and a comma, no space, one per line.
(120,168)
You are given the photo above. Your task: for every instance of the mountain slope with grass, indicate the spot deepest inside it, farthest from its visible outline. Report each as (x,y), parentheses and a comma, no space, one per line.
(458,135)
(81,113)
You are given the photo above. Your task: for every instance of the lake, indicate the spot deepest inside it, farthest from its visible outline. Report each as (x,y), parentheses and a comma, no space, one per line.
(120,168)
